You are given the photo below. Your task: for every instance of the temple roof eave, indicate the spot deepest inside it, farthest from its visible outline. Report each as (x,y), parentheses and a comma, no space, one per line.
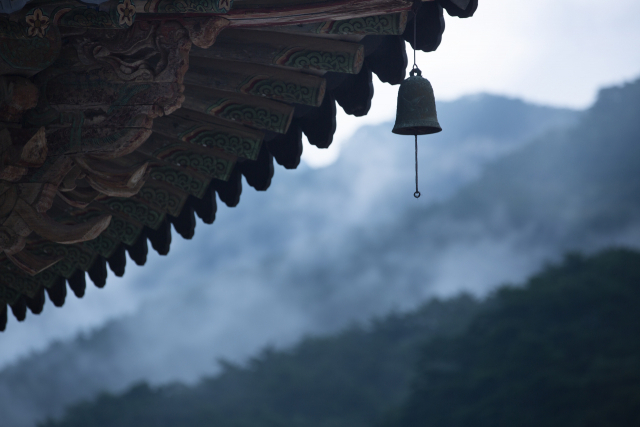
(128,131)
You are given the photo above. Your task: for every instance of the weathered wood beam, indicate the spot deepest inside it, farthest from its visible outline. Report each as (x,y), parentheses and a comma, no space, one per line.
(73,256)
(259,172)
(75,91)
(283,12)
(320,124)
(78,283)
(58,292)
(200,129)
(3,315)
(160,238)
(185,222)
(229,191)
(238,108)
(186,180)
(295,51)
(383,25)
(19,283)
(103,245)
(36,304)
(429,29)
(139,250)
(205,207)
(162,196)
(98,272)
(287,148)
(253,13)
(57,232)
(207,161)
(354,95)
(460,8)
(389,60)
(19,309)
(8,295)
(131,210)
(118,261)
(120,229)
(182,7)
(257,80)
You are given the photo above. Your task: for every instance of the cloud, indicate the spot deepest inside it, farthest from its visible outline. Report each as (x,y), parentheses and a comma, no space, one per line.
(548,52)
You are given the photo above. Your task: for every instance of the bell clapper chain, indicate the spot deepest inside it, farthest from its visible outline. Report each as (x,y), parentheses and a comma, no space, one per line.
(417,193)
(415,69)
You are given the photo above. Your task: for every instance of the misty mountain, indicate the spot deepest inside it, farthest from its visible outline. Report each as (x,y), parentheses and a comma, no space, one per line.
(355,375)
(562,350)
(321,249)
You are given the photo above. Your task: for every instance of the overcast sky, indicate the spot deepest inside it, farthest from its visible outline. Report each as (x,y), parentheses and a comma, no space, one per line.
(546,51)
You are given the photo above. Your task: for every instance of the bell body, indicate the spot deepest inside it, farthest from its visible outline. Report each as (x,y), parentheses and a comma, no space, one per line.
(416,112)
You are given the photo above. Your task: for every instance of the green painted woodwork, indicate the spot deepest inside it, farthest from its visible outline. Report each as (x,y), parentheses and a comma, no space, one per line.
(135,210)
(258,117)
(280,90)
(340,62)
(74,257)
(123,230)
(182,180)
(393,24)
(212,166)
(245,146)
(187,6)
(12,277)
(102,245)
(8,295)
(119,229)
(163,199)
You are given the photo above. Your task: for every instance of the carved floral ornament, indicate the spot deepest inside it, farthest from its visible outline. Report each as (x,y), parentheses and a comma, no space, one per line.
(38,23)
(126,13)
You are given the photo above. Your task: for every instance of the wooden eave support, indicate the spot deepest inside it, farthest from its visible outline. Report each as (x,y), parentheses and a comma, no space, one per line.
(274,48)
(133,211)
(252,111)
(256,80)
(200,129)
(183,179)
(22,284)
(380,25)
(254,13)
(162,196)
(274,53)
(208,161)
(120,229)
(248,13)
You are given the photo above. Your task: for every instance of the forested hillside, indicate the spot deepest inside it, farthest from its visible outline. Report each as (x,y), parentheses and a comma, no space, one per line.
(562,350)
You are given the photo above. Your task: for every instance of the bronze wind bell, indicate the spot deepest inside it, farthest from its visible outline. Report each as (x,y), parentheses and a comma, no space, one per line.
(416,111)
